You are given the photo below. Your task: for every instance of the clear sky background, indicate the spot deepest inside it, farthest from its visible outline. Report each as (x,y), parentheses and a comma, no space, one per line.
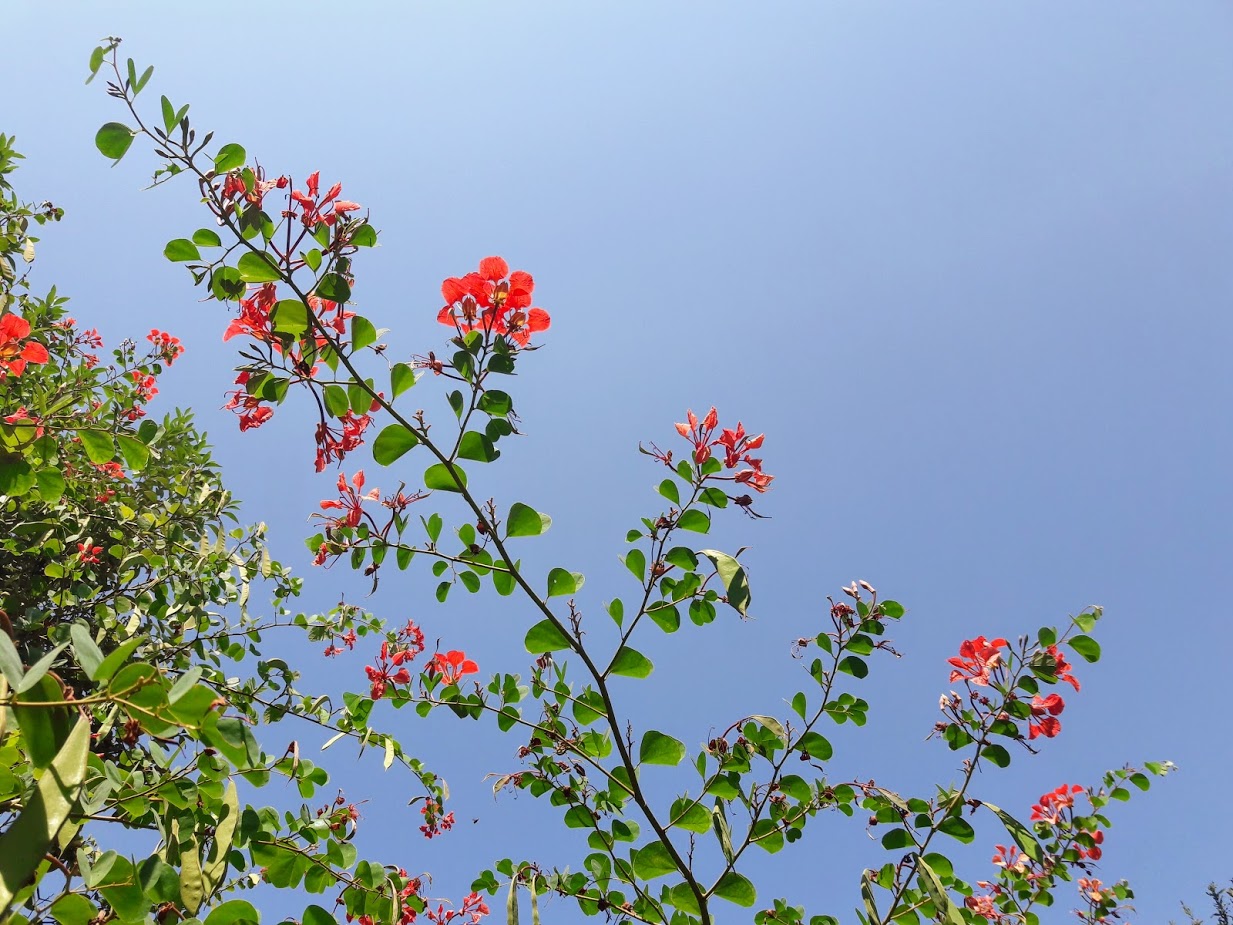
(965,263)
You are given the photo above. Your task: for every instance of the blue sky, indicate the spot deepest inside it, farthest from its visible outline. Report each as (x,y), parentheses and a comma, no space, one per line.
(964,263)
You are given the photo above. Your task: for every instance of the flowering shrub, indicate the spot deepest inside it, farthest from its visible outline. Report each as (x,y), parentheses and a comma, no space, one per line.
(286,259)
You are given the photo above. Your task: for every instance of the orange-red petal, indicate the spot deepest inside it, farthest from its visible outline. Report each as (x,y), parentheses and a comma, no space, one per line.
(493,268)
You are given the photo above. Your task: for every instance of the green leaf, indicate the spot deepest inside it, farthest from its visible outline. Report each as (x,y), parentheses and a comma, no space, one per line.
(73,909)
(257,268)
(694,520)
(544,636)
(668,489)
(364,236)
(439,478)
(28,838)
(773,726)
(204,237)
(475,445)
(895,839)
(958,828)
(657,748)
(316,915)
(562,582)
(229,157)
(736,889)
(233,912)
(402,377)
(635,561)
(816,746)
(98,446)
(181,249)
(363,334)
(799,704)
(115,659)
(524,520)
(37,671)
(87,652)
(392,442)
(16,475)
(1021,834)
(1086,647)
(653,861)
(334,288)
(225,284)
(289,316)
(113,140)
(631,663)
(10,661)
(996,754)
(937,892)
(732,575)
(51,485)
(136,454)
(496,403)
(854,665)
(337,403)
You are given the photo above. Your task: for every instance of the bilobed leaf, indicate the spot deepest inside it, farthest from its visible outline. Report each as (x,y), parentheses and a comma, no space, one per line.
(113,140)
(402,377)
(478,447)
(289,316)
(524,520)
(136,454)
(181,249)
(694,520)
(257,268)
(334,288)
(732,575)
(736,889)
(657,748)
(27,839)
(391,443)
(545,636)
(204,237)
(631,663)
(1086,647)
(653,860)
(562,582)
(363,333)
(439,478)
(229,157)
(98,446)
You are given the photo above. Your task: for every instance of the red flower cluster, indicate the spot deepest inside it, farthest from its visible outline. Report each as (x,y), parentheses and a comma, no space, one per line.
(254,317)
(169,347)
(328,208)
(350,500)
(1045,711)
(389,669)
(435,822)
(14,355)
(473,905)
(736,444)
(334,444)
(21,416)
(977,658)
(1061,667)
(452,665)
(144,385)
(235,188)
(88,554)
(347,639)
(1054,803)
(252,413)
(493,300)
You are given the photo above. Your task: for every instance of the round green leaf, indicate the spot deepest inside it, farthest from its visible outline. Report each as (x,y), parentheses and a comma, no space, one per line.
(113,140)
(524,520)
(439,477)
(181,249)
(562,582)
(544,636)
(736,889)
(653,861)
(289,316)
(229,157)
(391,443)
(694,520)
(257,268)
(957,827)
(204,237)
(657,748)
(631,663)
(334,287)
(1086,647)
(233,912)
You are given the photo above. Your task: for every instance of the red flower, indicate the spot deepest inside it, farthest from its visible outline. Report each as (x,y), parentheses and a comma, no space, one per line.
(88,554)
(169,347)
(350,500)
(452,665)
(700,434)
(1046,709)
(977,657)
(21,415)
(333,445)
(13,355)
(1061,667)
(383,675)
(254,314)
(493,300)
(325,209)
(1051,804)
(252,413)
